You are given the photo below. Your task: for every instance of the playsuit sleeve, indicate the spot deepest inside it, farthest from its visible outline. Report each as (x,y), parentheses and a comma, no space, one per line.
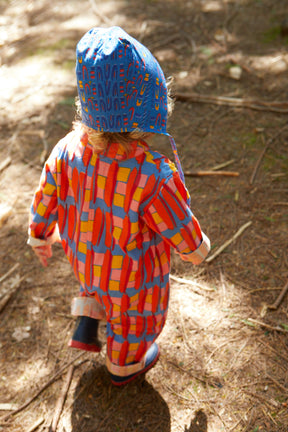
(169,215)
(43,211)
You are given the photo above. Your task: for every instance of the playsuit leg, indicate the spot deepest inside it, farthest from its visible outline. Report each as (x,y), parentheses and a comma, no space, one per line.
(132,327)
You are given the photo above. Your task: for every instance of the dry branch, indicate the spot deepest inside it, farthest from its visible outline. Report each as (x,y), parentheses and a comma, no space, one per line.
(5,212)
(279,299)
(228,242)
(211,173)
(5,163)
(36,425)
(189,282)
(51,381)
(61,400)
(258,105)
(9,272)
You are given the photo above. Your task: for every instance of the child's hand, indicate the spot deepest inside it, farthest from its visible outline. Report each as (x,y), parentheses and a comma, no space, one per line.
(43,252)
(55,238)
(183,257)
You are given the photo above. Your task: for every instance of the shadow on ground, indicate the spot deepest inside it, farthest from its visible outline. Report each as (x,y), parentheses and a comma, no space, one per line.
(199,423)
(100,406)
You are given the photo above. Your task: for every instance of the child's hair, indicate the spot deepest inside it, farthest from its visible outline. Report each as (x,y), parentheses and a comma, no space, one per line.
(101,140)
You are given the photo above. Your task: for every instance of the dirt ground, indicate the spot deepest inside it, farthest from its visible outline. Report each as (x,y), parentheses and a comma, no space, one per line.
(224,352)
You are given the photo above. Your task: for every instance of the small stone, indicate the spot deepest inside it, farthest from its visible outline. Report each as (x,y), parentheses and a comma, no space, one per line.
(235,72)
(183,74)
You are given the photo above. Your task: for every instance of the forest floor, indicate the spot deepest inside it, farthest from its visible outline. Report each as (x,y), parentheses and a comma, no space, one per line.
(224,351)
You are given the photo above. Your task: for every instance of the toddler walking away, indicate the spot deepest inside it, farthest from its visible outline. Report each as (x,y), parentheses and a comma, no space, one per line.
(117,206)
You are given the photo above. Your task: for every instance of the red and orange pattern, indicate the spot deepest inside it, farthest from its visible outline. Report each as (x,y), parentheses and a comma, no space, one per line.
(118,216)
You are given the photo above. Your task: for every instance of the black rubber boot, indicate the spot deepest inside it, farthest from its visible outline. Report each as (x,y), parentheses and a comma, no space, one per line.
(85,335)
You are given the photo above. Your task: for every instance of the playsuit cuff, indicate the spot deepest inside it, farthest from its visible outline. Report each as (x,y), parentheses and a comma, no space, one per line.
(199,255)
(87,306)
(36,242)
(127,370)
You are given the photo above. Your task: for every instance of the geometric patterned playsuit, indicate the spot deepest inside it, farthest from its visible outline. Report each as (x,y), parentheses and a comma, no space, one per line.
(118,216)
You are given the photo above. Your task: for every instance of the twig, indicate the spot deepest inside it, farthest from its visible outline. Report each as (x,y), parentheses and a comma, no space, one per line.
(263,289)
(142,32)
(7,297)
(232,363)
(173,391)
(101,16)
(217,413)
(285,390)
(203,381)
(228,341)
(83,389)
(5,211)
(51,381)
(185,338)
(5,163)
(279,299)
(252,178)
(261,398)
(7,406)
(168,40)
(36,425)
(192,43)
(249,384)
(211,173)
(61,400)
(228,242)
(269,415)
(223,165)
(261,324)
(189,282)
(240,420)
(9,272)
(279,107)
(272,349)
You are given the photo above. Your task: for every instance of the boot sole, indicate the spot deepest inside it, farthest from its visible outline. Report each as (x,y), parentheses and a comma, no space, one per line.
(83,346)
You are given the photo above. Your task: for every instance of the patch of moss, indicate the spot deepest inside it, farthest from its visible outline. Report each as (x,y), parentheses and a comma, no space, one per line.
(249,140)
(44,48)
(271,34)
(271,160)
(274,34)
(62,44)
(69,101)
(68,65)
(62,124)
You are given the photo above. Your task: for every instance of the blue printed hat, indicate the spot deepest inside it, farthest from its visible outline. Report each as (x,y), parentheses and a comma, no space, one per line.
(121,85)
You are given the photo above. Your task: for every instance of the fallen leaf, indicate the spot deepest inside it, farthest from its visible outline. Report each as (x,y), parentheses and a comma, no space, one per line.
(21,333)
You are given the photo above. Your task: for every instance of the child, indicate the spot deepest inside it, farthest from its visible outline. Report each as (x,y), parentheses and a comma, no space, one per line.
(118,205)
